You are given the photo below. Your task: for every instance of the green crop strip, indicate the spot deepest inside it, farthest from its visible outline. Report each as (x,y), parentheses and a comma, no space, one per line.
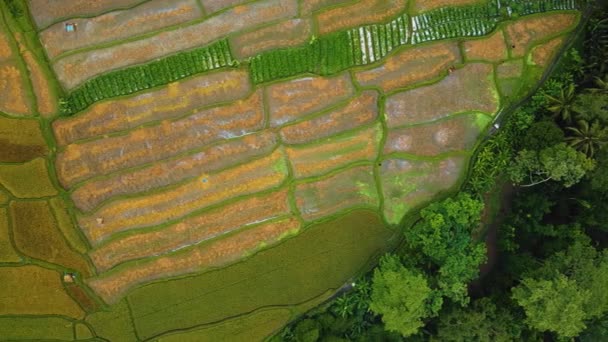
(325,55)
(160,72)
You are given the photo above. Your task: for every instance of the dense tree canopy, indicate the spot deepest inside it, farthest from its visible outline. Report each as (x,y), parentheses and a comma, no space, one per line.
(559,163)
(402,297)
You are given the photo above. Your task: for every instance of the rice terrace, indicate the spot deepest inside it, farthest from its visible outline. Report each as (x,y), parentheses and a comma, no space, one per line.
(211,170)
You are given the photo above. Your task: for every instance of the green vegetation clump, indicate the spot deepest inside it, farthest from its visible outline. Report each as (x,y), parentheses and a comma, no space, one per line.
(132,79)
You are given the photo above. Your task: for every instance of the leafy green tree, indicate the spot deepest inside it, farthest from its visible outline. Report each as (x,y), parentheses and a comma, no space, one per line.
(560,163)
(483,321)
(541,135)
(588,138)
(402,296)
(592,106)
(568,291)
(562,105)
(553,305)
(443,235)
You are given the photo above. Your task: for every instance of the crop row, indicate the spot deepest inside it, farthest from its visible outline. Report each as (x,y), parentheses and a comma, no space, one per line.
(463,28)
(162,71)
(334,52)
(525,7)
(446,15)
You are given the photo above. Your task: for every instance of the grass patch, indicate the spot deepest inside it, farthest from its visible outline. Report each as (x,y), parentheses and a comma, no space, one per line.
(82,331)
(67,226)
(7,251)
(35,329)
(33,290)
(322,257)
(113,325)
(28,180)
(21,140)
(36,235)
(252,327)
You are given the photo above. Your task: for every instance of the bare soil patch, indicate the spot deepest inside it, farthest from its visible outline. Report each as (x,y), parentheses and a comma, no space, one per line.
(471,88)
(152,143)
(294,99)
(357,14)
(346,189)
(361,110)
(410,66)
(163,173)
(117,25)
(544,53)
(194,230)
(308,161)
(45,12)
(157,208)
(168,102)
(524,33)
(285,34)
(455,134)
(491,49)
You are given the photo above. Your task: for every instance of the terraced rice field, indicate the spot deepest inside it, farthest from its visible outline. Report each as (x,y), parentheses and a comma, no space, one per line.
(210,170)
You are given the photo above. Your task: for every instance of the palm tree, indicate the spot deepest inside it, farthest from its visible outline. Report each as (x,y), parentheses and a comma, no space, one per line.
(601,85)
(588,138)
(563,104)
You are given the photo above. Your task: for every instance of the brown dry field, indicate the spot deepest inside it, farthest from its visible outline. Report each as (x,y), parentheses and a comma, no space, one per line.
(13,89)
(167,172)
(427,5)
(337,192)
(525,32)
(284,34)
(114,285)
(291,100)
(152,143)
(154,209)
(21,140)
(456,134)
(510,69)
(33,290)
(75,69)
(357,14)
(37,235)
(212,6)
(410,66)
(147,17)
(46,102)
(46,12)
(81,297)
(309,6)
(361,110)
(208,225)
(543,53)
(334,152)
(170,101)
(467,89)
(492,48)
